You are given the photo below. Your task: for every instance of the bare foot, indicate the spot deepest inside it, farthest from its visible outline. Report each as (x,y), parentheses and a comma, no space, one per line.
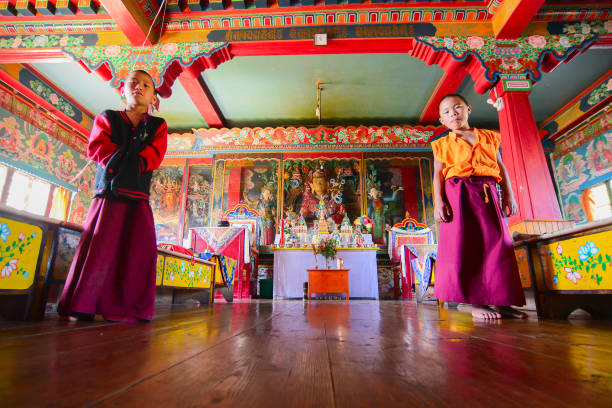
(484,312)
(507,311)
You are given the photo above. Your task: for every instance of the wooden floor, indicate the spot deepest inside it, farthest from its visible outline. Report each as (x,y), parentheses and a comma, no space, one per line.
(299,354)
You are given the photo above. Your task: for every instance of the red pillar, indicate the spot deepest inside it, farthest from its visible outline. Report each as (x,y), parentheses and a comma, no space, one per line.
(233,192)
(410,191)
(523,155)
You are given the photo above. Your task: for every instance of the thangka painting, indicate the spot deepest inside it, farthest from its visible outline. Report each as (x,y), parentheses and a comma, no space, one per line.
(82,199)
(394,189)
(255,183)
(332,183)
(165,200)
(199,188)
(259,190)
(582,168)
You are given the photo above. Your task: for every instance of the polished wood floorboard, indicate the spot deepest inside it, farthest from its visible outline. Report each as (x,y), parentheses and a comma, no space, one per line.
(307,354)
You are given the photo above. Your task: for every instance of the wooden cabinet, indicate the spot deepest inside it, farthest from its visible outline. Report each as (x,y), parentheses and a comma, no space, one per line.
(328,281)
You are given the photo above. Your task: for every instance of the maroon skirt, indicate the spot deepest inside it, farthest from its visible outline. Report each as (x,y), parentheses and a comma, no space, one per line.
(113,270)
(475,262)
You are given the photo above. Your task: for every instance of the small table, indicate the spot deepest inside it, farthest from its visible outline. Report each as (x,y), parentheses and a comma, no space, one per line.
(328,281)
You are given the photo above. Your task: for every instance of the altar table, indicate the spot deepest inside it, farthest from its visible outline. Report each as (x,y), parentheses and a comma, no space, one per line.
(291,271)
(328,281)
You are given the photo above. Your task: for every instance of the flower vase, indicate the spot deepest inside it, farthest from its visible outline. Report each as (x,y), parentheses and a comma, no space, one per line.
(326,263)
(316,263)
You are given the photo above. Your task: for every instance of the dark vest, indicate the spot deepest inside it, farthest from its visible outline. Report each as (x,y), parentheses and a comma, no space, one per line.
(122,176)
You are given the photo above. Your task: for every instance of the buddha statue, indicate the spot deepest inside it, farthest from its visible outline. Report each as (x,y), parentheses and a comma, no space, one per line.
(318,204)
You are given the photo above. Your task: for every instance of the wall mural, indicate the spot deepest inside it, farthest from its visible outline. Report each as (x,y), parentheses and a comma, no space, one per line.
(199,187)
(393,188)
(582,168)
(165,199)
(27,148)
(571,113)
(259,190)
(335,181)
(82,199)
(42,121)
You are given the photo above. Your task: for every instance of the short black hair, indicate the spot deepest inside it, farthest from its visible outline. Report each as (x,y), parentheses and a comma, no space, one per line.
(142,71)
(453,96)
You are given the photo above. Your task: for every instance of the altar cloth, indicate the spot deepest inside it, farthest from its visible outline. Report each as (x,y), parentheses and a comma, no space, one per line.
(291,265)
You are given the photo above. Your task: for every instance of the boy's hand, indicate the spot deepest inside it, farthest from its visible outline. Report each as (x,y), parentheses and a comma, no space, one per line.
(509,206)
(442,212)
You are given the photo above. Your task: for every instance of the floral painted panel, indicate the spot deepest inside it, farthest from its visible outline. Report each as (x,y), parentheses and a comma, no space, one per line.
(523,266)
(583,263)
(159,269)
(55,98)
(47,41)
(183,274)
(20,245)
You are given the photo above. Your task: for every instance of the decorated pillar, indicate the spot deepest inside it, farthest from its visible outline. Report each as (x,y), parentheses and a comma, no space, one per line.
(216,198)
(523,154)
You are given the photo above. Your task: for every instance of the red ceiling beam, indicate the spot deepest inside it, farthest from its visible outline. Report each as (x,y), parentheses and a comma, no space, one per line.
(307,47)
(38,100)
(449,83)
(445,60)
(33,55)
(202,99)
(132,21)
(513,16)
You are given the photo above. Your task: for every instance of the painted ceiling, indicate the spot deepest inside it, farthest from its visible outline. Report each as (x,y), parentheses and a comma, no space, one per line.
(357,89)
(550,94)
(373,79)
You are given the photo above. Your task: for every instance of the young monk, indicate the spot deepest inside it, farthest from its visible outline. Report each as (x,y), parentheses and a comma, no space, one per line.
(476,262)
(113,270)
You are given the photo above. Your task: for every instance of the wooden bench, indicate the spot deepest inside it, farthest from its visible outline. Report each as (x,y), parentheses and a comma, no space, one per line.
(181,272)
(35,254)
(568,270)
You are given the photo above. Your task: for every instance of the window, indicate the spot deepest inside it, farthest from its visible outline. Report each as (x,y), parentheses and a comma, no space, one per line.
(601,204)
(28,193)
(32,194)
(3,173)
(3,178)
